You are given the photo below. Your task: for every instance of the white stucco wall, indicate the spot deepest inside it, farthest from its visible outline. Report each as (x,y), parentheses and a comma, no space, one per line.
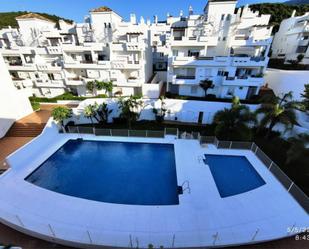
(283,81)
(180,110)
(14,103)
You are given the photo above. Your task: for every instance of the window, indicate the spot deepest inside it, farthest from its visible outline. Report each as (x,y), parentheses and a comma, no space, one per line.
(37,76)
(51,76)
(193,53)
(222,17)
(161,55)
(220,72)
(224,38)
(101,57)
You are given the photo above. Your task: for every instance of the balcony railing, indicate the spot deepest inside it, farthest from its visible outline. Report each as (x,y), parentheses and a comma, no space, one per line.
(185,77)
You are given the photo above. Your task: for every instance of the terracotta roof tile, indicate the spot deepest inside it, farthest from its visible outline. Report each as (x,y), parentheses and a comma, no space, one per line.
(33,15)
(102,9)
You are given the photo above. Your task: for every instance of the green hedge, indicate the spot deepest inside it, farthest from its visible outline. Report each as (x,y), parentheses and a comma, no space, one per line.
(65,96)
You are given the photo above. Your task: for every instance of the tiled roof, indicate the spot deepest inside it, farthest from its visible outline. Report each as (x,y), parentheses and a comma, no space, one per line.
(102,9)
(33,15)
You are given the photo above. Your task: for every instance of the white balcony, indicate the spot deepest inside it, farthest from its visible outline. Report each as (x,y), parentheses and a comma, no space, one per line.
(184,80)
(122,82)
(249,61)
(54,50)
(48,67)
(21,67)
(244,81)
(87,65)
(201,61)
(74,81)
(49,83)
(135,46)
(196,41)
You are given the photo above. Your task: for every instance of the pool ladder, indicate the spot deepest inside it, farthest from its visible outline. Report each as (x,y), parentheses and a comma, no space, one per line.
(186,186)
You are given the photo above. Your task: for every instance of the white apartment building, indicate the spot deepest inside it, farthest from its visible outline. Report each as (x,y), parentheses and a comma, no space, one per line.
(292,39)
(14,104)
(49,60)
(223,45)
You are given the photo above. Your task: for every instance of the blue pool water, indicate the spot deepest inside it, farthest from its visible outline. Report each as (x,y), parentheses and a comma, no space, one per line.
(114,172)
(233,174)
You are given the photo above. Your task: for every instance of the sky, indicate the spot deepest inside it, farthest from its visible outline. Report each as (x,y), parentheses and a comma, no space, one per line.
(78,9)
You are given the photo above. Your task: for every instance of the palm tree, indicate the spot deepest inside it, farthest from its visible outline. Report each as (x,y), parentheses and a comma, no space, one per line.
(206,85)
(130,108)
(103,112)
(298,147)
(90,112)
(277,110)
(232,124)
(60,114)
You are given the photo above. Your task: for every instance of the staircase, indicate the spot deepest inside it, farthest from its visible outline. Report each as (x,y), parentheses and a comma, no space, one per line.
(25,129)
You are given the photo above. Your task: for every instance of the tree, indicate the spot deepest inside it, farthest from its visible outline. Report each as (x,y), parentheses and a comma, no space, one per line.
(305,96)
(90,111)
(99,85)
(298,148)
(60,114)
(161,112)
(91,86)
(277,110)
(232,124)
(103,112)
(206,85)
(130,108)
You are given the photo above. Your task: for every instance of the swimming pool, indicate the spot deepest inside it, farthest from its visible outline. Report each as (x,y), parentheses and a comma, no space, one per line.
(114,172)
(233,174)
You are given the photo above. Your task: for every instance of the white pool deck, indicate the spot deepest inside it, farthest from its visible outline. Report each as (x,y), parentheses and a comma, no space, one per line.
(201,219)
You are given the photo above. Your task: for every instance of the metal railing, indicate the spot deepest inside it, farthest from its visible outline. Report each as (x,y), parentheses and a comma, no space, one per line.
(118,132)
(288,184)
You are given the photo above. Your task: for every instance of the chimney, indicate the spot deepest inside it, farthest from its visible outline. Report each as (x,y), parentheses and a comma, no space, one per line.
(293,13)
(155,19)
(190,10)
(132,18)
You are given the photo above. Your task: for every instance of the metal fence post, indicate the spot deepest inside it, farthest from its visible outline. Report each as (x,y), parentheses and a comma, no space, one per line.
(255,234)
(89,237)
(110,132)
(19,220)
(146,133)
(231,144)
(131,243)
(51,230)
(173,241)
(215,236)
(290,186)
(128,133)
(270,165)
(93,130)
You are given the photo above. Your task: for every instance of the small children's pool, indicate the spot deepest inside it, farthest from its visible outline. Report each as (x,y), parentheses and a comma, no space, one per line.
(233,174)
(114,172)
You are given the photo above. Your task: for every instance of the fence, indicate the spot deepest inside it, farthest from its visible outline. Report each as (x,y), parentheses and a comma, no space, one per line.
(289,185)
(119,132)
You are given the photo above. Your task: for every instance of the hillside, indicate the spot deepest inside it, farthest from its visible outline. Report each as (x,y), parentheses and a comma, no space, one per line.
(279,11)
(297,2)
(8,18)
